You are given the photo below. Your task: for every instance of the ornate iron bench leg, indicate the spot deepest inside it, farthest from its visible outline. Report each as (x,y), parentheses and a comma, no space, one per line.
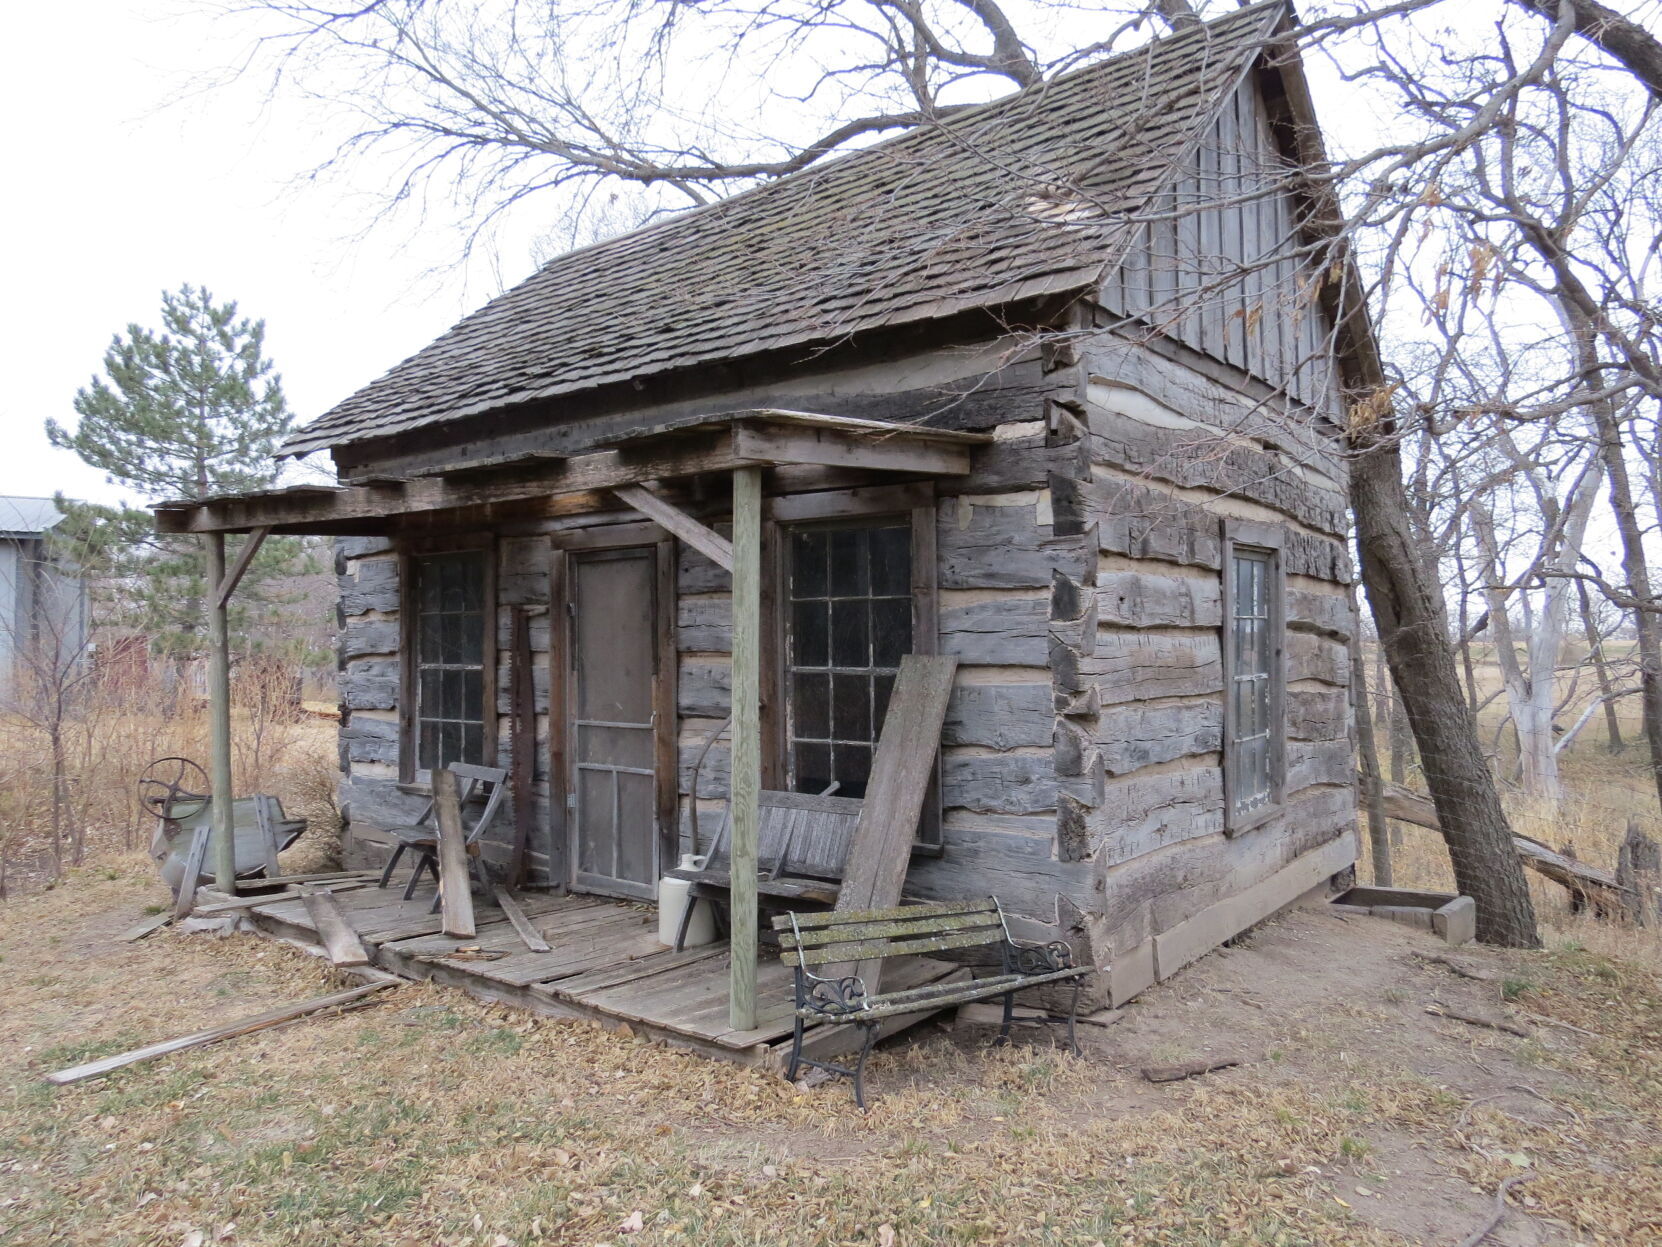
(796,1052)
(1073,1015)
(386,875)
(1009,1017)
(860,1066)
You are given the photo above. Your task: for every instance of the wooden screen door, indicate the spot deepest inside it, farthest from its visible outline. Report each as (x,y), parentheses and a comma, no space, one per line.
(612,726)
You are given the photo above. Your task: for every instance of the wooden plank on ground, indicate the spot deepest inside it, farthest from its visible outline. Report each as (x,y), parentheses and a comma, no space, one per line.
(455,888)
(228,1030)
(334,932)
(901,768)
(289,894)
(327,876)
(152,924)
(194,858)
(509,905)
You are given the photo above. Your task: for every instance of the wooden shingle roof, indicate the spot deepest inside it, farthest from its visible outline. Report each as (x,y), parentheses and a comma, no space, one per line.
(1023,197)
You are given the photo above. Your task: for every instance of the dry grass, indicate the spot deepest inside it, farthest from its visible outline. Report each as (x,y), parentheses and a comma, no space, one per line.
(116,728)
(434,1119)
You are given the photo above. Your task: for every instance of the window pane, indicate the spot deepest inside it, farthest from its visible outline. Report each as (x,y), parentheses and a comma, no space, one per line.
(851,707)
(849,576)
(808,553)
(853,767)
(449,648)
(811,705)
(812,767)
(810,634)
(891,561)
(891,631)
(850,633)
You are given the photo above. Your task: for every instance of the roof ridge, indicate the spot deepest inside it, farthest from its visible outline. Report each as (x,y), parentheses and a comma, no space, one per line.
(943,217)
(912,132)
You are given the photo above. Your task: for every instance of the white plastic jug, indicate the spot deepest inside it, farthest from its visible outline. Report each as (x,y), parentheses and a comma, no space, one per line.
(673,900)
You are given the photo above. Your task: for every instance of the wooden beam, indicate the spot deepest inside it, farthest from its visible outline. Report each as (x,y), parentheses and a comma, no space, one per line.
(672,519)
(455,890)
(749,441)
(841,449)
(745,768)
(522,718)
(275,1017)
(245,556)
(219,722)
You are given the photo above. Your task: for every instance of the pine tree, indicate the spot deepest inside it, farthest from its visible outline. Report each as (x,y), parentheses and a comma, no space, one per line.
(189,410)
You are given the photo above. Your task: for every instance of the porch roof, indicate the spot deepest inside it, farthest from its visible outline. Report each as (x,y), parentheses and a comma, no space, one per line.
(677,448)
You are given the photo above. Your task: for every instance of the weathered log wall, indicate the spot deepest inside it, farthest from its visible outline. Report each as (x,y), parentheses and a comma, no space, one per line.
(1162,455)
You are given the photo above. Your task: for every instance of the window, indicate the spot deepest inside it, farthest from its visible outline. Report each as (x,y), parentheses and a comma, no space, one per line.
(1252,667)
(848,621)
(450,658)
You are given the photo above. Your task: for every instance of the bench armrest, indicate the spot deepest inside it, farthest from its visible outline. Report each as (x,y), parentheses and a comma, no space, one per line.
(831,997)
(1036,957)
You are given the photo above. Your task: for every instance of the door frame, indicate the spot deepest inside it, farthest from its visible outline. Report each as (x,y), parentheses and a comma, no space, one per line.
(563,865)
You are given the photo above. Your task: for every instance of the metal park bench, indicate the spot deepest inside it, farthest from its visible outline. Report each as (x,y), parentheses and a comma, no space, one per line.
(802,844)
(840,939)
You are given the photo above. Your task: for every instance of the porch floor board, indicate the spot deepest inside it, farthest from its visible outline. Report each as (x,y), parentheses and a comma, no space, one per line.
(605,963)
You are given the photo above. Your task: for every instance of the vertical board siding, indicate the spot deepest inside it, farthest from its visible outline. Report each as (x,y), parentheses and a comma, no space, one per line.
(1229,280)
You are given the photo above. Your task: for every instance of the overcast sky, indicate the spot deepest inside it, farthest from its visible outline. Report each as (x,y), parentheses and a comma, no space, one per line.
(124,182)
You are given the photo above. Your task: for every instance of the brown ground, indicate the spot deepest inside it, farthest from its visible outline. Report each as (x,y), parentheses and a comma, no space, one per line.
(1355,1117)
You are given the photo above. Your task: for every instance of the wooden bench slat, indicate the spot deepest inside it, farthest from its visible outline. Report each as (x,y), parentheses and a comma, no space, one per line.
(863,949)
(806,922)
(896,928)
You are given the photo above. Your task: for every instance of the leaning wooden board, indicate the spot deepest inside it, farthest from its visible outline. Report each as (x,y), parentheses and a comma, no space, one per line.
(455,887)
(901,769)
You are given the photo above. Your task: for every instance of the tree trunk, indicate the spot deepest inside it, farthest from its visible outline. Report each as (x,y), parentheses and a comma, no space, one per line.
(1638,584)
(1595,650)
(1408,613)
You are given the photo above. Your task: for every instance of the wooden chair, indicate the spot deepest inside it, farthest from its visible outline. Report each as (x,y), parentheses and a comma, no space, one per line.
(422,835)
(802,844)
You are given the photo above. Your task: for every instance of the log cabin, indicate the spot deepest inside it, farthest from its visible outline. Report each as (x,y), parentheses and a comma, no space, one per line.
(1054,387)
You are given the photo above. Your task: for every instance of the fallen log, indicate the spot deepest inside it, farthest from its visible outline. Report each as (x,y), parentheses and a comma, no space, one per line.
(228,1030)
(1596,887)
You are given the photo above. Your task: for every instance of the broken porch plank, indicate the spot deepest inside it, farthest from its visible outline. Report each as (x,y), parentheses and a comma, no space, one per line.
(901,768)
(288,894)
(266,818)
(194,857)
(152,924)
(509,905)
(455,888)
(334,932)
(228,1030)
(324,876)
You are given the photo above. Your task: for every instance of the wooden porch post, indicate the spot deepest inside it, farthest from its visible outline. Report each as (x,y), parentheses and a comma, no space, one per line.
(219,717)
(746,781)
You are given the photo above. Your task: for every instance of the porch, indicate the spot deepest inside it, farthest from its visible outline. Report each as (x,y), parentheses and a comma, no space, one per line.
(604,964)
(603,792)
